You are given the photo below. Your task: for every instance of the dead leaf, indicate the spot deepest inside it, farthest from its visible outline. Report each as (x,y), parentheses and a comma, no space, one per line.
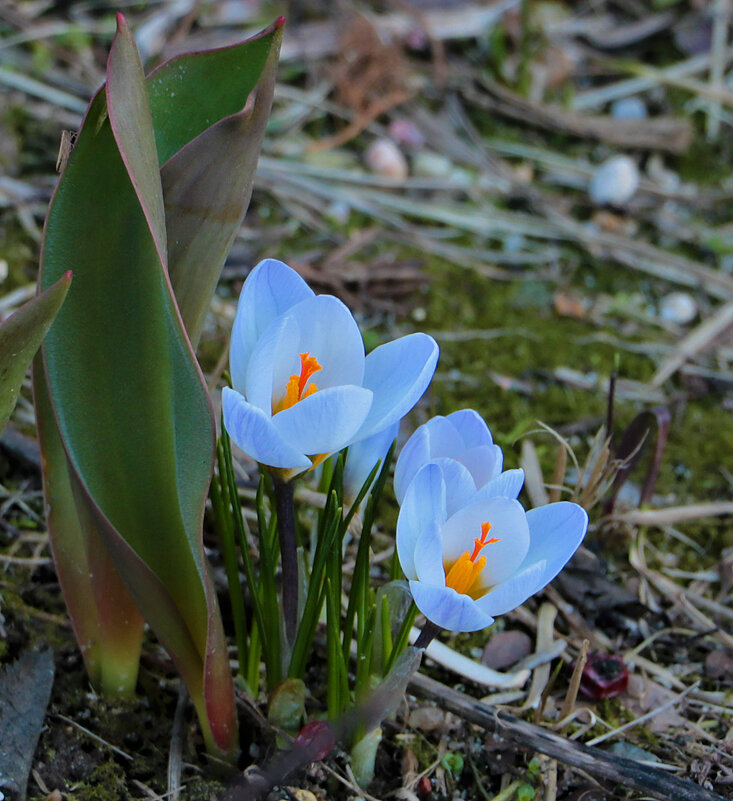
(719,665)
(427,718)
(25,689)
(570,304)
(506,648)
(643,695)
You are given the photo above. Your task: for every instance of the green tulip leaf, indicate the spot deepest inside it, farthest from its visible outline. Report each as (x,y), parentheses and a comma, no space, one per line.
(207,186)
(106,621)
(20,337)
(126,394)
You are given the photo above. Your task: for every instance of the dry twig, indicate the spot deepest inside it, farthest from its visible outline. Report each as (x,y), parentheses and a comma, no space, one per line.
(626,772)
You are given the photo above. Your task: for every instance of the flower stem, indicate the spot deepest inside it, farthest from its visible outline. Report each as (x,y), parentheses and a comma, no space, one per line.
(285,506)
(427,635)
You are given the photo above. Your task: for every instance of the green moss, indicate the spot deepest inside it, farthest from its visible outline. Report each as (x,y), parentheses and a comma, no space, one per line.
(200,789)
(702,161)
(106,783)
(508,376)
(699,445)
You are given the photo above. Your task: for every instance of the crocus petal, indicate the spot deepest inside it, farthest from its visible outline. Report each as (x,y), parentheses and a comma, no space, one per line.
(281,333)
(507,485)
(329,333)
(270,289)
(429,555)
(460,488)
(484,462)
(432,440)
(449,609)
(362,457)
(325,421)
(508,524)
(414,455)
(398,373)
(443,439)
(424,503)
(555,531)
(471,428)
(513,592)
(254,432)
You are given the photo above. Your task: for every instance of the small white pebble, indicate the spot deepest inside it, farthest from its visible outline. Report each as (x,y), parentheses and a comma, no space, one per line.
(383,157)
(614,182)
(514,243)
(629,108)
(431,165)
(339,212)
(3,276)
(678,307)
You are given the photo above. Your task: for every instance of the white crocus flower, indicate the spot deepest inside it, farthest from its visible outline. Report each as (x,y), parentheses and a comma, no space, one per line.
(303,387)
(462,436)
(362,456)
(472,556)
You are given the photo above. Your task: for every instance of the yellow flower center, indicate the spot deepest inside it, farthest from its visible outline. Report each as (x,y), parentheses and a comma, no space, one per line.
(297,387)
(464,573)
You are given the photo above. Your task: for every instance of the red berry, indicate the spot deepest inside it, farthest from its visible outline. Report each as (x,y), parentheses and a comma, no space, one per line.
(604,676)
(317,737)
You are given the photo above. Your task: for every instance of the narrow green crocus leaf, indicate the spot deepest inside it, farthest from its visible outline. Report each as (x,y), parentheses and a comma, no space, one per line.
(20,337)
(132,409)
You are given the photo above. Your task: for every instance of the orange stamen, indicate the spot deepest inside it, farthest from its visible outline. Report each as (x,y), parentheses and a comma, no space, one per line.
(296,388)
(465,571)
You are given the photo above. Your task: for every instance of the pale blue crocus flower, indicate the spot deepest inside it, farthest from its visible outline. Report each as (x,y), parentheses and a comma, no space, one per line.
(362,456)
(462,436)
(303,387)
(472,556)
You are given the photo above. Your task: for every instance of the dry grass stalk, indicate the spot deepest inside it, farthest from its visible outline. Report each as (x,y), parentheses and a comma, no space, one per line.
(657,710)
(469,669)
(572,693)
(674,514)
(698,339)
(660,133)
(596,97)
(545,639)
(558,474)
(533,481)
(721,11)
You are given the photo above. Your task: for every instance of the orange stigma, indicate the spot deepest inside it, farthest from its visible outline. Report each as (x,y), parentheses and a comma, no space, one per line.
(465,571)
(482,542)
(296,388)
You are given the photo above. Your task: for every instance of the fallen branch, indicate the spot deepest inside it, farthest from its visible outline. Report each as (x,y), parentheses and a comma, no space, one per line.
(698,339)
(658,133)
(651,781)
(672,515)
